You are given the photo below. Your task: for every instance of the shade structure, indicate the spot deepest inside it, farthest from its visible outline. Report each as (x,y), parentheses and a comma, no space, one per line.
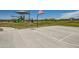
(22,12)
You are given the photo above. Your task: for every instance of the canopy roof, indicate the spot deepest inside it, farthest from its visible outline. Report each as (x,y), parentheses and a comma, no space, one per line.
(22,12)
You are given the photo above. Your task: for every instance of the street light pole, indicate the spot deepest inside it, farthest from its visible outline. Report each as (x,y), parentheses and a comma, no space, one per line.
(29,15)
(39,13)
(37,20)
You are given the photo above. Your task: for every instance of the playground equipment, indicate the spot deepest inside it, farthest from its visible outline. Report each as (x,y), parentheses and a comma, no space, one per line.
(18,19)
(22,16)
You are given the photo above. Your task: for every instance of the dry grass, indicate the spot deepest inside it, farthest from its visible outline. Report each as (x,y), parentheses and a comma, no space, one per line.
(41,23)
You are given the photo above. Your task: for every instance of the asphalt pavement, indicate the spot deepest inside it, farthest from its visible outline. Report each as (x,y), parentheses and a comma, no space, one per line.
(42,37)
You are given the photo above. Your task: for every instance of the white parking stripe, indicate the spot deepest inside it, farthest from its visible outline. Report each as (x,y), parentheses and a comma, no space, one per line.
(66,37)
(57,39)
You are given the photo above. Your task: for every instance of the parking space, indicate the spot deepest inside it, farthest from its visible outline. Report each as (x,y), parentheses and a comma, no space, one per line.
(43,37)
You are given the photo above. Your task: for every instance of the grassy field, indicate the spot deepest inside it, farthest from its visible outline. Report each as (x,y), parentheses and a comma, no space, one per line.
(40,23)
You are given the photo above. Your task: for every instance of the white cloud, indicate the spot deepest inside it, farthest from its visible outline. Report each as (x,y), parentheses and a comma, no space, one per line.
(70,15)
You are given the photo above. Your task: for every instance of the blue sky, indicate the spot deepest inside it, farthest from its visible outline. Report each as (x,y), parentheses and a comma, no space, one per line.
(6,14)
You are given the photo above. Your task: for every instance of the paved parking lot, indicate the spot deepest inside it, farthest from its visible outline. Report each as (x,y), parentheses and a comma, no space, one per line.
(43,37)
